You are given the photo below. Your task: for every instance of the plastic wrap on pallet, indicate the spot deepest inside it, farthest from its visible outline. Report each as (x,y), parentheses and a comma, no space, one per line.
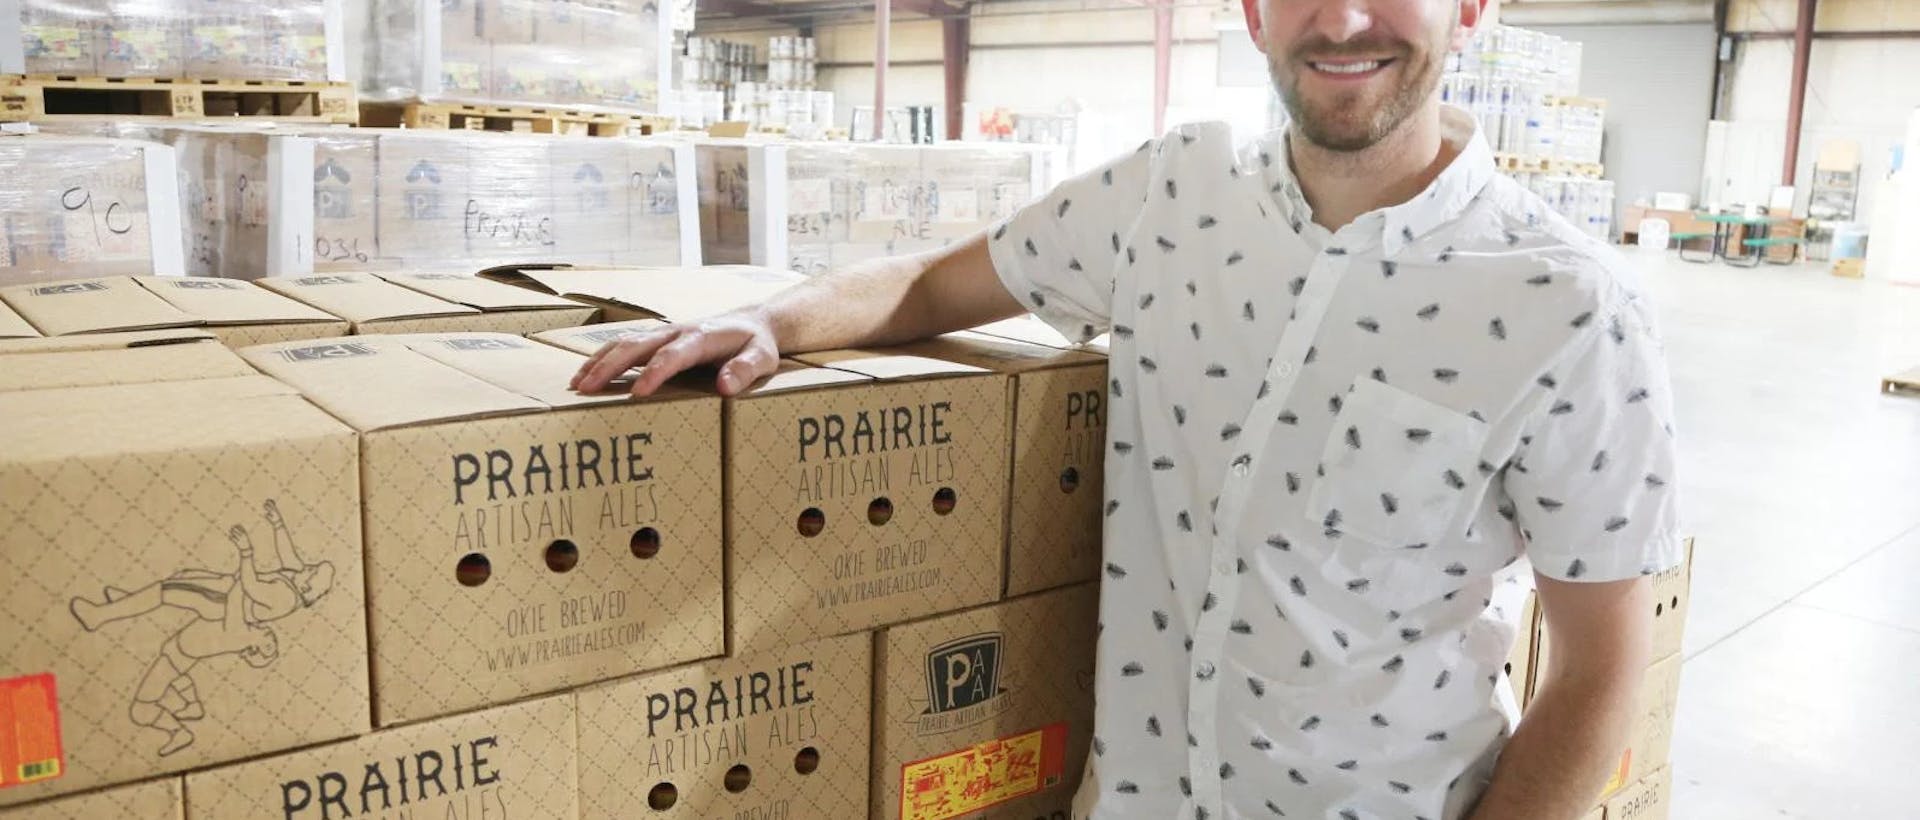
(76,207)
(287,201)
(815,206)
(611,55)
(199,39)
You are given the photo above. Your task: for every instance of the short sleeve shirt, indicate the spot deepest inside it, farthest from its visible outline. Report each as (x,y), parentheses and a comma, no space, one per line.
(1329,453)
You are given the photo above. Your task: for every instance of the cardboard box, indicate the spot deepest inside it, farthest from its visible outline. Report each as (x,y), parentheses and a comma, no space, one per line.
(336,177)
(152,800)
(236,312)
(504,309)
(1671,592)
(1598,813)
(777,734)
(426,194)
(521,538)
(626,294)
(106,341)
(867,490)
(1853,268)
(428,302)
(1003,684)
(1649,799)
(1058,435)
(206,604)
(1652,740)
(515,761)
(42,368)
(1520,662)
(85,206)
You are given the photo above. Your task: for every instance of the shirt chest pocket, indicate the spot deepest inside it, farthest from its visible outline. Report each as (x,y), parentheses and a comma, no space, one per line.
(1396,468)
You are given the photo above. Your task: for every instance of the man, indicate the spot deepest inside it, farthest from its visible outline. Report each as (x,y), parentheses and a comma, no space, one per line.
(232,613)
(1355,375)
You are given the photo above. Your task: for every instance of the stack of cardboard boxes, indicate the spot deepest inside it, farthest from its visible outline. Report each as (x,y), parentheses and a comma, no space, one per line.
(600,54)
(76,206)
(810,207)
(485,595)
(204,39)
(1641,786)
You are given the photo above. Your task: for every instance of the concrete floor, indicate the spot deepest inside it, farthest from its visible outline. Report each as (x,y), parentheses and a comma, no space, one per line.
(1800,696)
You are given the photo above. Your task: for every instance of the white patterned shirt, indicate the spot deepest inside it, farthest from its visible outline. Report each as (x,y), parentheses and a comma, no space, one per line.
(1330,452)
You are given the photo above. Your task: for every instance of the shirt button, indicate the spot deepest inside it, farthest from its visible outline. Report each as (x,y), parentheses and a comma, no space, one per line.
(1242,468)
(1203,671)
(1282,370)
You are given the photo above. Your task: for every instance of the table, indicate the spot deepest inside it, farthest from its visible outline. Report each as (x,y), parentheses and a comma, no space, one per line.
(1743,232)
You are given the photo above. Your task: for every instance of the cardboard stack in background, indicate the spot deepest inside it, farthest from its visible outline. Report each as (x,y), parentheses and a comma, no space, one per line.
(812,207)
(186,593)
(613,55)
(83,206)
(521,538)
(203,39)
(1641,785)
(259,200)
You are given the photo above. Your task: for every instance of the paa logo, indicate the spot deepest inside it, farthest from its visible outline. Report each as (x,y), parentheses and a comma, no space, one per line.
(963,673)
(481,344)
(205,284)
(68,287)
(332,199)
(322,352)
(423,191)
(592,195)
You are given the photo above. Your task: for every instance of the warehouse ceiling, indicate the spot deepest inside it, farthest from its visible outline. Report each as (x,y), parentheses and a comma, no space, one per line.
(1517,12)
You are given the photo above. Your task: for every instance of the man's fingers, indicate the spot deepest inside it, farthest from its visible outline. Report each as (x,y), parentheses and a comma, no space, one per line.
(690,350)
(617,357)
(753,362)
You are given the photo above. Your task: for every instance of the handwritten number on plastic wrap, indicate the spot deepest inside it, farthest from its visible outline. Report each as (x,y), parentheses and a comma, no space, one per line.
(338,250)
(117,222)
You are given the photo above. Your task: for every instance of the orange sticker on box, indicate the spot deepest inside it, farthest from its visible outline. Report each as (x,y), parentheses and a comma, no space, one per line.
(1619,779)
(984,775)
(29,730)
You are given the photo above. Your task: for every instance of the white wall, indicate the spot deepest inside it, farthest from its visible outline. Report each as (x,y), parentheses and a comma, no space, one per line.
(1862,90)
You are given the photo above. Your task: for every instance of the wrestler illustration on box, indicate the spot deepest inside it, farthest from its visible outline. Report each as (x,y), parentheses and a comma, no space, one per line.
(234,612)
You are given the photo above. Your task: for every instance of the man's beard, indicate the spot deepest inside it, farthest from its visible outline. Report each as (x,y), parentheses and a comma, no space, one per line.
(1340,124)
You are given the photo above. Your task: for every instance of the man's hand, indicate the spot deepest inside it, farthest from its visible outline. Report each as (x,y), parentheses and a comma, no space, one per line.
(741,343)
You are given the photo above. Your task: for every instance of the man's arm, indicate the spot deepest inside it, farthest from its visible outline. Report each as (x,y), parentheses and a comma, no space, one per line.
(885,301)
(1576,726)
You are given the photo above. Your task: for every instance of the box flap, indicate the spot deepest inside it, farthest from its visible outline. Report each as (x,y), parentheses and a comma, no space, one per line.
(675,294)
(794,375)
(588,339)
(475,292)
(93,305)
(887,366)
(138,365)
(1030,329)
(361,297)
(108,341)
(66,401)
(378,382)
(522,366)
(14,327)
(229,301)
(999,354)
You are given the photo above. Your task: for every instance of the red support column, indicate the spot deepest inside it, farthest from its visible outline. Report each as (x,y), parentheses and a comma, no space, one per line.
(1797,93)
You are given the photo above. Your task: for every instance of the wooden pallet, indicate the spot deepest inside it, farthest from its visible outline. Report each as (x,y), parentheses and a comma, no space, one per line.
(527,120)
(43,98)
(1907,382)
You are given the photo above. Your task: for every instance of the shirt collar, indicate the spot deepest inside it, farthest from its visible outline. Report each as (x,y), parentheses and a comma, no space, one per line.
(1399,225)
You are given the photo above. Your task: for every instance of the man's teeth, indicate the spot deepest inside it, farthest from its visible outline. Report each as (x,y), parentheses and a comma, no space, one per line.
(1348,68)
